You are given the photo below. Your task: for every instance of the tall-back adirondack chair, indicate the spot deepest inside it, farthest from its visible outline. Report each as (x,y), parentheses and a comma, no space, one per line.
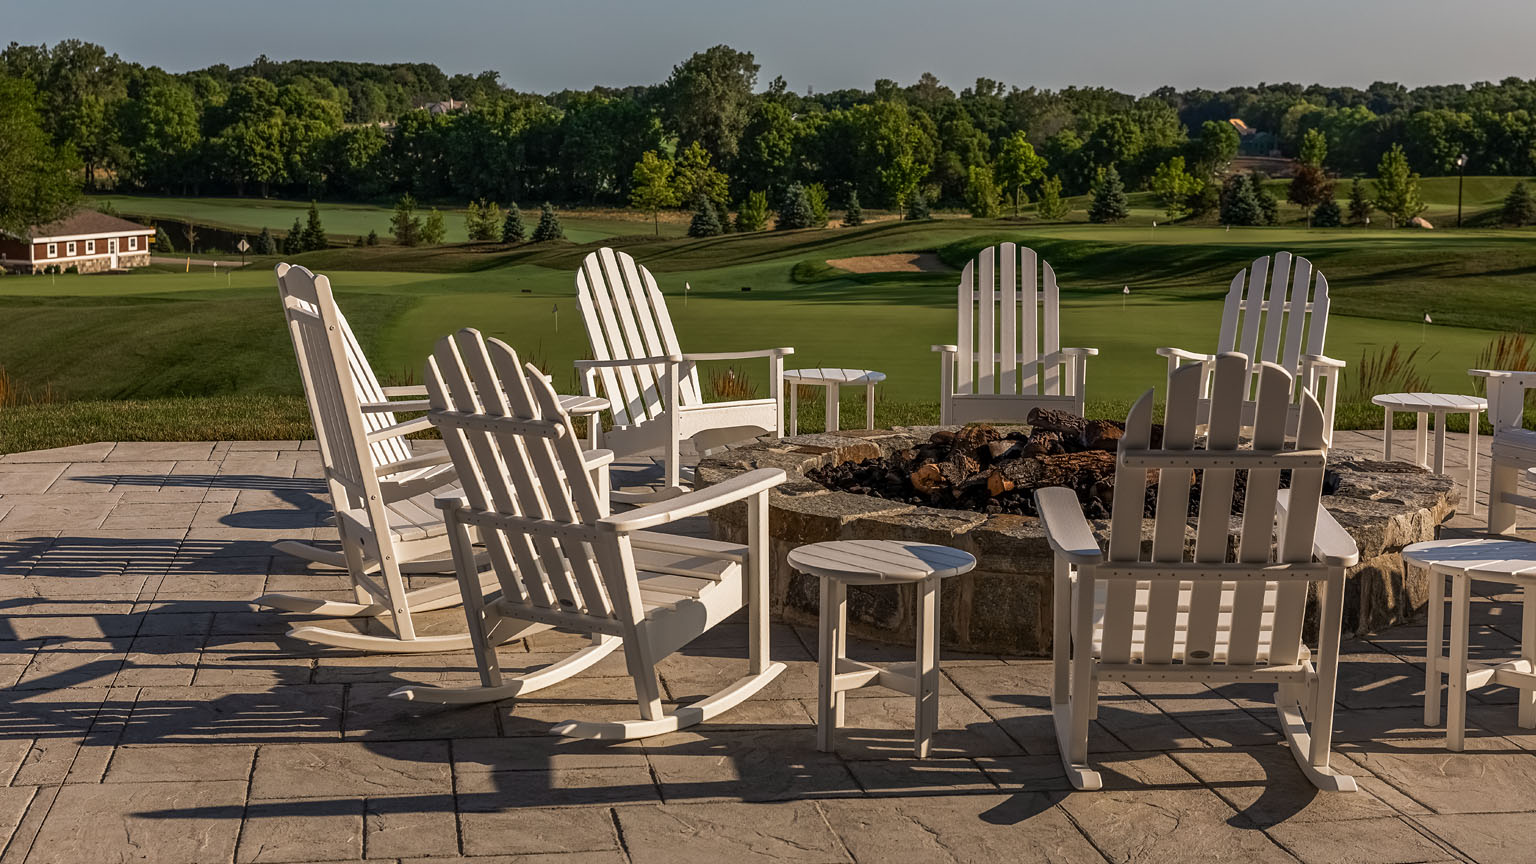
(1276,311)
(652,386)
(558,556)
(1008,357)
(1126,615)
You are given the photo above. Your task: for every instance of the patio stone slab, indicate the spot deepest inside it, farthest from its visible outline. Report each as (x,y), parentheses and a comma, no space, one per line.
(1167,825)
(1484,839)
(773,765)
(292,832)
(1386,840)
(971,828)
(538,831)
(172,823)
(179,763)
(409,826)
(1491,776)
(738,833)
(320,770)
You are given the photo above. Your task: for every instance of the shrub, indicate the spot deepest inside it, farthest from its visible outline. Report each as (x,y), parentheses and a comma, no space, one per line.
(1389,370)
(816,194)
(752,215)
(432,230)
(1327,215)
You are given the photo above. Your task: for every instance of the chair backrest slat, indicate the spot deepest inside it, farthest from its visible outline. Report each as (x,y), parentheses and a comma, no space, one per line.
(1009,313)
(1275,310)
(1202,620)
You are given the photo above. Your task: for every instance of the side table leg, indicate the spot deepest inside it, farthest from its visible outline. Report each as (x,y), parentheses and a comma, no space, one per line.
(1421,441)
(827,700)
(1439,442)
(869,406)
(794,408)
(1527,716)
(1434,647)
(832,407)
(1386,436)
(1472,431)
(1456,711)
(927,667)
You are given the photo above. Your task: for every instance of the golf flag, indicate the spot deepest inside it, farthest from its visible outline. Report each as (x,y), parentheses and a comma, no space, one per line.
(556,312)
(1427,319)
(1126,290)
(686,289)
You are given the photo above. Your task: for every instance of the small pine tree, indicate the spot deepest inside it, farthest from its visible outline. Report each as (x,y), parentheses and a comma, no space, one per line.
(404,224)
(163,241)
(817,195)
(264,243)
(1109,201)
(314,233)
(705,222)
(432,230)
(361,241)
(512,229)
(293,244)
(372,239)
(548,227)
(1327,215)
(854,215)
(1519,207)
(917,207)
(1051,206)
(752,215)
(1239,204)
(1360,204)
(795,211)
(482,221)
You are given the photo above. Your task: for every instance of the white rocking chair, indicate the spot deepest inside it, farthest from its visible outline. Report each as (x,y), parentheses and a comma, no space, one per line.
(651,385)
(381,490)
(1008,358)
(561,560)
(1121,617)
(1295,307)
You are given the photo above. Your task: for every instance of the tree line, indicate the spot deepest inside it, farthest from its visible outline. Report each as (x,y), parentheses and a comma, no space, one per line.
(357,131)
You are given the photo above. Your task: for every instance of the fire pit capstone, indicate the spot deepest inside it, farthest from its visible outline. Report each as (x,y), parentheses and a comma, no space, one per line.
(1004,606)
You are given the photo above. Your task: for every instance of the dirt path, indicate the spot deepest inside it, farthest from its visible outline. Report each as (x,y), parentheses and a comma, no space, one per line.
(898,262)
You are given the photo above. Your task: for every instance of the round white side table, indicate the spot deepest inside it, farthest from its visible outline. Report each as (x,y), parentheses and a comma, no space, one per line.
(841,563)
(833,380)
(1438,404)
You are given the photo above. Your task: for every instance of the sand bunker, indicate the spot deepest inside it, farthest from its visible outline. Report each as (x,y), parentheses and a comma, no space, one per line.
(901,262)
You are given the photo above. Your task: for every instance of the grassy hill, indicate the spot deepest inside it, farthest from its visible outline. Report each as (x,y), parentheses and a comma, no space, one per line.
(160,334)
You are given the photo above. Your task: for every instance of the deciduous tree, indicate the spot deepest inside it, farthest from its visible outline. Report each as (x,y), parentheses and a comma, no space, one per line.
(1017,167)
(652,188)
(1051,206)
(1397,188)
(981,196)
(433,232)
(39,182)
(1173,187)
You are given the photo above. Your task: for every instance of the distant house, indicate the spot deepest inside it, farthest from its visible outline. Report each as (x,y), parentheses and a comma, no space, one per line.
(443,107)
(1243,129)
(86,240)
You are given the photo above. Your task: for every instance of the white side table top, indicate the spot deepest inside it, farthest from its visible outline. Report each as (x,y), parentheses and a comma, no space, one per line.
(834,376)
(1430,402)
(582,405)
(880,562)
(1481,558)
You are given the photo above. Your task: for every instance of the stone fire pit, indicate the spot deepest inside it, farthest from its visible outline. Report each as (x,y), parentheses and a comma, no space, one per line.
(1004,606)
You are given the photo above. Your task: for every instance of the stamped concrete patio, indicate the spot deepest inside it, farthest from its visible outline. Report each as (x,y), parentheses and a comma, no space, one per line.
(152,713)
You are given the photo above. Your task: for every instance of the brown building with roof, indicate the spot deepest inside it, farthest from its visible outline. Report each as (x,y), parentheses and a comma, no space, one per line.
(89,241)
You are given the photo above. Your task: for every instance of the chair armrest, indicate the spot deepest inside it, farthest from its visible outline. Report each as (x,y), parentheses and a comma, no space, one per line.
(1066,354)
(737,355)
(1079,352)
(1065,528)
(386,407)
(1526,380)
(947,349)
(400,429)
(597,458)
(420,460)
(630,361)
(583,405)
(1181,354)
(1321,360)
(694,503)
(1332,544)
(411,390)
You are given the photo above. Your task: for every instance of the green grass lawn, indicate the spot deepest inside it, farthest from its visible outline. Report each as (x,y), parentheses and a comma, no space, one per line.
(215,339)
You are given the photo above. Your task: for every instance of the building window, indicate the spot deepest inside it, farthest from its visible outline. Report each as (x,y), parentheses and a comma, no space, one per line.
(69,249)
(53,250)
(133,244)
(90,247)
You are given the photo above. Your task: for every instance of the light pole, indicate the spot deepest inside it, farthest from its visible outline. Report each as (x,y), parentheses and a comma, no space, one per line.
(1461,176)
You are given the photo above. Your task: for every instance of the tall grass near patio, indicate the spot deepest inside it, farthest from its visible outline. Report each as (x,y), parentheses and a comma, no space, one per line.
(43,425)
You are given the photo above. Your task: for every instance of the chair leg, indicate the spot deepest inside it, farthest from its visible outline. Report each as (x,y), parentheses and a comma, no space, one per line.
(1503,481)
(829,704)
(1456,712)
(1071,719)
(927,722)
(1527,715)
(1434,648)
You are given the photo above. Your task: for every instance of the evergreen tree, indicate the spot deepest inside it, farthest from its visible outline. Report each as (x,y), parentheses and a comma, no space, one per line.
(372,238)
(432,230)
(1519,208)
(752,215)
(816,194)
(1360,206)
(361,241)
(1327,215)
(404,224)
(854,215)
(512,230)
(917,207)
(795,211)
(1051,207)
(314,234)
(163,242)
(264,244)
(1239,204)
(293,244)
(548,227)
(1397,188)
(482,221)
(1109,201)
(705,222)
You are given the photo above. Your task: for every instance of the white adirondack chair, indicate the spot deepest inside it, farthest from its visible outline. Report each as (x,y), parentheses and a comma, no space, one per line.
(1124,616)
(652,386)
(1286,307)
(1513,449)
(381,490)
(559,557)
(1008,357)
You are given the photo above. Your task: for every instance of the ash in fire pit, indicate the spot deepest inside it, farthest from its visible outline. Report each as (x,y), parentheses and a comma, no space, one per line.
(982,469)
